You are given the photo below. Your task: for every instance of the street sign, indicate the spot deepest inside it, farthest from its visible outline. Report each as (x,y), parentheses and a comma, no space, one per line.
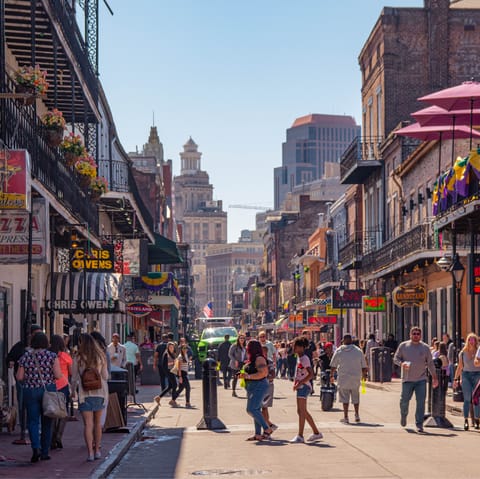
(374,304)
(352,299)
(322,320)
(409,295)
(333,311)
(138,310)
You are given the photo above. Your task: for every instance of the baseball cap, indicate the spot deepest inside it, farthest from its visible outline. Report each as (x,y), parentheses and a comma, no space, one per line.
(35,327)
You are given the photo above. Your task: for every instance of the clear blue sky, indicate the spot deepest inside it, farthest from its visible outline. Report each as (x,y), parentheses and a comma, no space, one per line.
(234,75)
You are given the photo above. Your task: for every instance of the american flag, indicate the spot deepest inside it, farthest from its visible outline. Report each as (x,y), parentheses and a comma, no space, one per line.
(208,310)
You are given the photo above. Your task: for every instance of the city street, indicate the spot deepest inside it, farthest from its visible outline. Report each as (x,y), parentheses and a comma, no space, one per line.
(378,447)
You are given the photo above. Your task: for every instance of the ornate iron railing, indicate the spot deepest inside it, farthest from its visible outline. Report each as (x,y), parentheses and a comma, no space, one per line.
(360,149)
(416,240)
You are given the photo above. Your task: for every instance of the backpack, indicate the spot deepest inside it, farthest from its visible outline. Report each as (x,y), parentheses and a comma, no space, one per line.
(91,379)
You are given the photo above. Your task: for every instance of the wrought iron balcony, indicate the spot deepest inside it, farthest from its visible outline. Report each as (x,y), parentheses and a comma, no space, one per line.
(359,244)
(408,245)
(360,160)
(20,128)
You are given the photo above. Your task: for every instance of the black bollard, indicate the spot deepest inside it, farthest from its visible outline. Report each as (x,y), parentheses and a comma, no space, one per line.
(210,418)
(439,395)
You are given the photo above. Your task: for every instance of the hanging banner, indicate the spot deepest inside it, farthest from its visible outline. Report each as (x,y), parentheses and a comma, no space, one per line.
(374,304)
(14,180)
(14,234)
(352,299)
(409,295)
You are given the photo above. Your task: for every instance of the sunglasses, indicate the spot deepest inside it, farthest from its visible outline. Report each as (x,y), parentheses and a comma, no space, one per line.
(416,333)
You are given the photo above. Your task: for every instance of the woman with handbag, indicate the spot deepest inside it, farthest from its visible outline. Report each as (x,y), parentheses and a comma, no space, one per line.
(181,368)
(57,346)
(237,353)
(90,374)
(468,375)
(169,360)
(38,370)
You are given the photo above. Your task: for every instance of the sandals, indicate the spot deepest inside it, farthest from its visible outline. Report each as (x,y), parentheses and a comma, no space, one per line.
(256,437)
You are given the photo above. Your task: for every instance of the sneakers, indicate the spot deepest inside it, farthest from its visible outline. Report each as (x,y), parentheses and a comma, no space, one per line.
(403,421)
(273,427)
(157,399)
(173,403)
(315,437)
(98,455)
(420,429)
(234,394)
(297,439)
(344,420)
(357,418)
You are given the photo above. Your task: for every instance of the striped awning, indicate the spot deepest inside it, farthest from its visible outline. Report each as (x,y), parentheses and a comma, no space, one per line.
(84,292)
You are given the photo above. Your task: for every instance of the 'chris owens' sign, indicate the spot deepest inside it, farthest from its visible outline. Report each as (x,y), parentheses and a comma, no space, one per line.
(93,259)
(76,306)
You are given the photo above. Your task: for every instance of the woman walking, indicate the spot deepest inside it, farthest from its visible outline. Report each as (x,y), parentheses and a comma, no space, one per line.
(182,374)
(57,346)
(90,374)
(255,376)
(237,353)
(168,362)
(468,375)
(38,370)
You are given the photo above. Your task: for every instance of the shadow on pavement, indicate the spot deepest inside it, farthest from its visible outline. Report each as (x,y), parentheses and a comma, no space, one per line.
(366,424)
(430,433)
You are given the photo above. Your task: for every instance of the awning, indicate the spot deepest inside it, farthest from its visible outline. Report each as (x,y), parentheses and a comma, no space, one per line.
(164,251)
(85,292)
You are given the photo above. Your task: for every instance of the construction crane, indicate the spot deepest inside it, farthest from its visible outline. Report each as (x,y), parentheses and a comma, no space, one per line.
(251,207)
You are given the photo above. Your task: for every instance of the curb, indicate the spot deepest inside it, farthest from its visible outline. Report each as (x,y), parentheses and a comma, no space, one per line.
(120,449)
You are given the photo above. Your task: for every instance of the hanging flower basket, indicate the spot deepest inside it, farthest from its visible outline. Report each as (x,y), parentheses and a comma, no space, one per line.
(84,181)
(95,196)
(98,186)
(72,149)
(70,158)
(54,136)
(28,90)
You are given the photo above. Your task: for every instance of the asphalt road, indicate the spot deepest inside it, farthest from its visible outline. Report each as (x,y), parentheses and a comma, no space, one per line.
(378,447)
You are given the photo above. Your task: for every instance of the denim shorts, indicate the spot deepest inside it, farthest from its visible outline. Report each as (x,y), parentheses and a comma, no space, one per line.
(303,391)
(92,403)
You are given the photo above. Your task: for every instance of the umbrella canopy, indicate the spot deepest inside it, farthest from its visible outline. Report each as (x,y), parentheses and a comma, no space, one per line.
(441,132)
(437,116)
(460,97)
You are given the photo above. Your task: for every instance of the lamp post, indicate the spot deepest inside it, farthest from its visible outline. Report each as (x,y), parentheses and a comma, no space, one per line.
(457,269)
(341,292)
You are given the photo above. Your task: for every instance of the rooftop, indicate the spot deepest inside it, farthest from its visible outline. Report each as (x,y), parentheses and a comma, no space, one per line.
(327,120)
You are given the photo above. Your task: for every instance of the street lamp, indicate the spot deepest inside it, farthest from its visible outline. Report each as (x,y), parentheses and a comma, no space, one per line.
(341,293)
(457,269)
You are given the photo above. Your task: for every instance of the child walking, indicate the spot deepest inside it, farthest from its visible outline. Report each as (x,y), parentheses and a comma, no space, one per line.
(303,375)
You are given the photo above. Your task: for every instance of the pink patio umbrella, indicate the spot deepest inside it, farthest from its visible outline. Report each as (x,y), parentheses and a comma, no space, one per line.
(440,132)
(461,97)
(437,116)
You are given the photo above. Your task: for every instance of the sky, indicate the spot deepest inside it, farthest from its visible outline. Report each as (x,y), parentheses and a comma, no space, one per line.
(234,75)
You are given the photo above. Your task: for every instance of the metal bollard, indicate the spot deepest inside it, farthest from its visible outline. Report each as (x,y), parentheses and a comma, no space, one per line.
(439,394)
(210,418)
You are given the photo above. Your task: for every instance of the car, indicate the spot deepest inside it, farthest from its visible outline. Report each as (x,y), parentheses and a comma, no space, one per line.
(212,337)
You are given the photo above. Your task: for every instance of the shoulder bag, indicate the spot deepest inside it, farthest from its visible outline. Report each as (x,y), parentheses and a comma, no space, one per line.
(53,402)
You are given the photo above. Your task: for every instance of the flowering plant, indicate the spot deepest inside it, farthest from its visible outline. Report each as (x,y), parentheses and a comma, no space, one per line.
(86,166)
(73,144)
(32,77)
(54,119)
(99,184)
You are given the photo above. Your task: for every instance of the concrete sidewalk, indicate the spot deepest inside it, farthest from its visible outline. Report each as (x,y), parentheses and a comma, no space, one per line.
(71,460)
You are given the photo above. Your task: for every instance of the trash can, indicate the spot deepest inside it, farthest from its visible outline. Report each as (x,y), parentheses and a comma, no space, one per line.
(380,365)
(118,383)
(148,376)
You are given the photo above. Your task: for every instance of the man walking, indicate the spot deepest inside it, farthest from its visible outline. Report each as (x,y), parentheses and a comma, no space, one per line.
(118,353)
(349,360)
(224,360)
(414,357)
(133,355)
(158,360)
(272,352)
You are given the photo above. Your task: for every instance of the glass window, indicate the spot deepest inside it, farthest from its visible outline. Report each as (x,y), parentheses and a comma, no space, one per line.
(312,133)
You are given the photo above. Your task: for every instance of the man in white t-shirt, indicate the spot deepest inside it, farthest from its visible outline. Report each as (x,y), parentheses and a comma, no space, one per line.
(118,353)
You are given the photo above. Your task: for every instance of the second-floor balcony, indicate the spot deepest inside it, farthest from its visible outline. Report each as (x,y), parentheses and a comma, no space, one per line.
(356,246)
(360,160)
(412,246)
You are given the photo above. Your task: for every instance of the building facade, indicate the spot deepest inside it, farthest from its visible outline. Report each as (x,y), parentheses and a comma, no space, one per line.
(313,147)
(201,219)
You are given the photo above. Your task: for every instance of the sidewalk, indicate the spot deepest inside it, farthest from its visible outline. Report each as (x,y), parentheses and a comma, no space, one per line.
(71,461)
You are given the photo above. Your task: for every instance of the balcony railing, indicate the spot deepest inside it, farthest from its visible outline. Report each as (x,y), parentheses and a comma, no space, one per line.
(20,128)
(416,240)
(358,245)
(363,153)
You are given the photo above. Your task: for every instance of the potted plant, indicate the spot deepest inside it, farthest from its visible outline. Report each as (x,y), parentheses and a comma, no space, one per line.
(31,80)
(98,186)
(86,169)
(54,125)
(72,149)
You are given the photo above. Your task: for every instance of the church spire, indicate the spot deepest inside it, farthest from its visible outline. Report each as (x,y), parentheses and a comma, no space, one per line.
(190,158)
